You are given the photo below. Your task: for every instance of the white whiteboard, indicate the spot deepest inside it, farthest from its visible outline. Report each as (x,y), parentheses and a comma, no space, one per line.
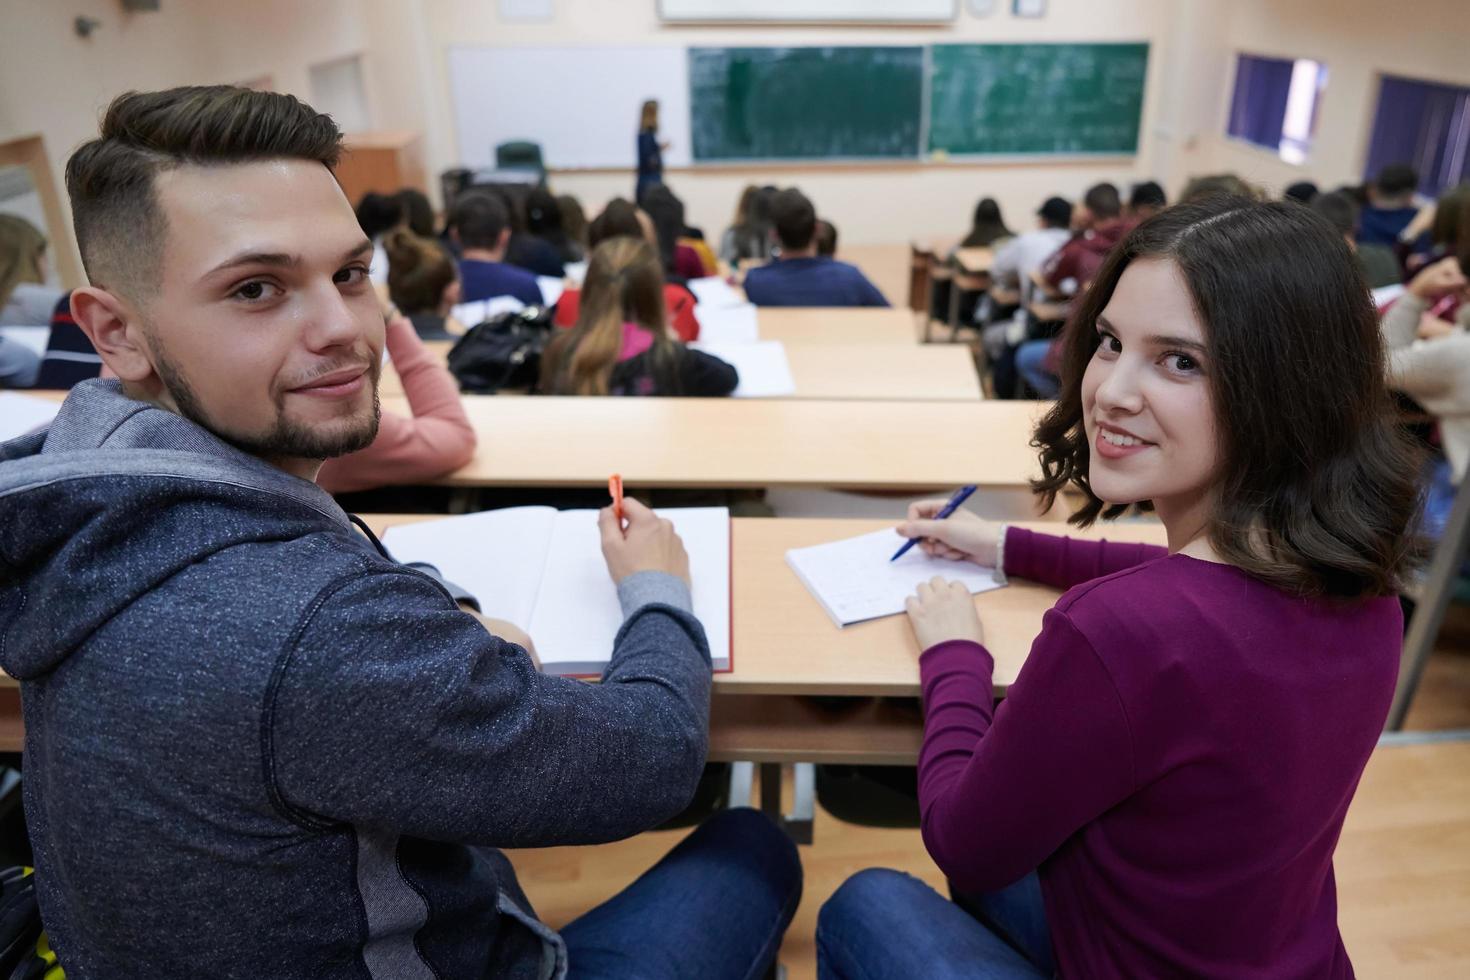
(818,11)
(580,104)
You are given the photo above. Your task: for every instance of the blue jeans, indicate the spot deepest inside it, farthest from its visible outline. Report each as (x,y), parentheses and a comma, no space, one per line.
(1030,357)
(884,924)
(715,907)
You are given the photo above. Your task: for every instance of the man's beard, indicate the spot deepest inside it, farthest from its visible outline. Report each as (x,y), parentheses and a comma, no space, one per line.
(287,438)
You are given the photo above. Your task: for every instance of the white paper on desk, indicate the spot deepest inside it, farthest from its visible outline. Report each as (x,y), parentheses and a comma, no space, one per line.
(576,272)
(764,370)
(1384,295)
(551,289)
(727,324)
(543,570)
(33,339)
(854,581)
(20,414)
(714,291)
(473,314)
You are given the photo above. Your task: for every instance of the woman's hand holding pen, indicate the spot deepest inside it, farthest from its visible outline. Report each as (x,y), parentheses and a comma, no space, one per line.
(961,536)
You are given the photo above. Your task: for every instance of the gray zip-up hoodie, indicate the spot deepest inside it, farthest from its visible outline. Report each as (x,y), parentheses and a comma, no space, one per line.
(257,748)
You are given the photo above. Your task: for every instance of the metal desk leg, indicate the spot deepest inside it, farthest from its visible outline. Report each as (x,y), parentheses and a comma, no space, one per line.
(797,824)
(1433,601)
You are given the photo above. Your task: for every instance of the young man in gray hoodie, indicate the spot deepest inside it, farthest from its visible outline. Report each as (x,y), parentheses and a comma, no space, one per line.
(256,746)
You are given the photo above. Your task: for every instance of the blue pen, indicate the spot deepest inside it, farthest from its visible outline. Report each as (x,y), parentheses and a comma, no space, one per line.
(960,496)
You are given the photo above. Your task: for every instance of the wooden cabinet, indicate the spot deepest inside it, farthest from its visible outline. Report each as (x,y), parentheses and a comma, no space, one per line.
(381,161)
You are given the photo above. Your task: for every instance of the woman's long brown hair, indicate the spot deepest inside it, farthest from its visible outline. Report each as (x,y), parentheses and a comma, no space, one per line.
(624,284)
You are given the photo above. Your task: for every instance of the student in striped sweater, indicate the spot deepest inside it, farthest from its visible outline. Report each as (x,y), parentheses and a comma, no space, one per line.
(1162,789)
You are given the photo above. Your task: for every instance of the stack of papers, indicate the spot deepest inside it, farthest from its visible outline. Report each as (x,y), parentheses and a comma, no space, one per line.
(764,370)
(854,580)
(20,414)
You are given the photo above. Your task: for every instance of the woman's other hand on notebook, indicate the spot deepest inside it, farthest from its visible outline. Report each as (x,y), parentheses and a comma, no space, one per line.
(647,543)
(960,536)
(943,611)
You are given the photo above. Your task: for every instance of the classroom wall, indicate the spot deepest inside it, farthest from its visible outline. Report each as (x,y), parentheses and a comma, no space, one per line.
(55,84)
(869,204)
(1357,39)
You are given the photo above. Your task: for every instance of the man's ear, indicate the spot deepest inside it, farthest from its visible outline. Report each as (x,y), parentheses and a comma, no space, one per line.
(115,329)
(504,241)
(454,236)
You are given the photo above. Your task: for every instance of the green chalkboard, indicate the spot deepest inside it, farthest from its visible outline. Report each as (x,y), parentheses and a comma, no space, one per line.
(805,103)
(1036,98)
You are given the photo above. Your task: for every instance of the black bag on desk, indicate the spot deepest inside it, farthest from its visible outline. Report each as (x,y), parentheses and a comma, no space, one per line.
(502,352)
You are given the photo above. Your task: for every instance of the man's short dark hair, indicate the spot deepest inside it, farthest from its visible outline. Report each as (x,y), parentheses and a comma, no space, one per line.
(1148,194)
(377,213)
(115,213)
(1396,179)
(794,218)
(826,236)
(1340,210)
(479,218)
(1056,212)
(1103,201)
(1302,191)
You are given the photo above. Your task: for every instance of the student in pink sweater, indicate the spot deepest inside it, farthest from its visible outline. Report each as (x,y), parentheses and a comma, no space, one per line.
(1161,791)
(435,440)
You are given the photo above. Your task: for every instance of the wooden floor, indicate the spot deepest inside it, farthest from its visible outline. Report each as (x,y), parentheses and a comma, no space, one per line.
(1403,864)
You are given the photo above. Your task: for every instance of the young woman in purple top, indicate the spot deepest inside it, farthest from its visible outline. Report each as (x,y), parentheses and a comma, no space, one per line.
(1161,791)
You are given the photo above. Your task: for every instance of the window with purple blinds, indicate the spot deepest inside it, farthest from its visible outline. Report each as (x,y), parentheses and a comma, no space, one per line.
(1258,107)
(1423,124)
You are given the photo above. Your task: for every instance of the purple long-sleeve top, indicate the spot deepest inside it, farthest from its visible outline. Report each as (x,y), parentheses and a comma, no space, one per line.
(1176,757)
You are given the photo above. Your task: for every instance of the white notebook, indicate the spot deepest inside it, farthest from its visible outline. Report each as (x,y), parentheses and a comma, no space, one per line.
(543,570)
(854,581)
(727,324)
(764,370)
(551,289)
(20,414)
(714,291)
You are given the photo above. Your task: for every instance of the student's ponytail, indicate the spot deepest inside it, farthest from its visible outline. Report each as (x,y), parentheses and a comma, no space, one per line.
(419,270)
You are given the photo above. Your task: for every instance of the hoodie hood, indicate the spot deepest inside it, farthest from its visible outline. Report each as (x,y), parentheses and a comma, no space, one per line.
(111,500)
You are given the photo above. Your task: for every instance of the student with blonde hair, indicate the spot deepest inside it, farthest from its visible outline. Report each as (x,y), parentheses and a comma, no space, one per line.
(25,299)
(621,344)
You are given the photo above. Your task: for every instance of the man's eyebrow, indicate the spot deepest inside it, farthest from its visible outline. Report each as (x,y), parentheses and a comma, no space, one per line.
(281,260)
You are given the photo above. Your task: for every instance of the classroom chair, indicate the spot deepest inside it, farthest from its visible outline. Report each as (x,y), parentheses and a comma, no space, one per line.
(520,155)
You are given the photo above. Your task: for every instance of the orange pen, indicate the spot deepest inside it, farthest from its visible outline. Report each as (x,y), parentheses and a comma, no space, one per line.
(615,490)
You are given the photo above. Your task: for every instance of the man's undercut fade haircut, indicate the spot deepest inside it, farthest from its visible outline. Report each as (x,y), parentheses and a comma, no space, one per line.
(479,217)
(119,225)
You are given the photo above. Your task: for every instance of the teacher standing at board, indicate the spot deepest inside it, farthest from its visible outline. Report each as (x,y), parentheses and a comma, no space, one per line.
(650,151)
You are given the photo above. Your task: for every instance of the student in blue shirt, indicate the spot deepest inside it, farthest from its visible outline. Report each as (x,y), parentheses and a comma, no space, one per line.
(480,225)
(801,277)
(1390,207)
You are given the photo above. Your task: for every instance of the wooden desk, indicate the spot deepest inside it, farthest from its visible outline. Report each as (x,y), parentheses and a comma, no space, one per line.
(728,443)
(862,372)
(837,325)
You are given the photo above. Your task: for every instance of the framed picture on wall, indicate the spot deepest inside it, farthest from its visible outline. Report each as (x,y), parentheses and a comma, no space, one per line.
(1029,8)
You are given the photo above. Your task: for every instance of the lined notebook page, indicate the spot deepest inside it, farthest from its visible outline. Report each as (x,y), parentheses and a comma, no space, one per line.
(764,370)
(577,615)
(853,580)
(498,555)
(727,324)
(20,414)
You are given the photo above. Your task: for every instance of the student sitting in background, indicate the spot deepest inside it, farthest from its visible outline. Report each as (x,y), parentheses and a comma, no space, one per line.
(543,222)
(1162,789)
(667,213)
(422,282)
(525,250)
(749,236)
(621,219)
(418,213)
(1376,262)
(70,357)
(988,227)
(25,299)
(826,238)
(1013,273)
(1146,200)
(376,214)
(801,277)
(1447,227)
(1218,185)
(1390,206)
(1429,354)
(1100,225)
(480,225)
(1302,192)
(574,225)
(621,344)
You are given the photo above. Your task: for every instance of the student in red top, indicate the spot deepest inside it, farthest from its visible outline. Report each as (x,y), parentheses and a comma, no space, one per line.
(1100,224)
(620,217)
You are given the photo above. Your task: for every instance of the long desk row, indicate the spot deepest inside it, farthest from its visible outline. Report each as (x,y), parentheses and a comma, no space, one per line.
(717,442)
(785,649)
